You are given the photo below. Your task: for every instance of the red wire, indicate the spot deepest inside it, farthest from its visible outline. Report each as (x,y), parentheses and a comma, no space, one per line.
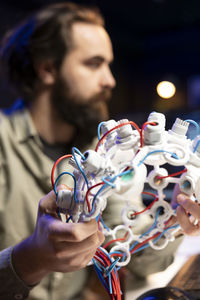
(118,126)
(142,129)
(87,194)
(168,221)
(114,278)
(136,213)
(148,207)
(54,166)
(174,174)
(113,241)
(144,242)
(99,260)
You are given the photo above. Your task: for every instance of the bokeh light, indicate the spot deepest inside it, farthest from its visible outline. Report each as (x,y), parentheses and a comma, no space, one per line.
(166,89)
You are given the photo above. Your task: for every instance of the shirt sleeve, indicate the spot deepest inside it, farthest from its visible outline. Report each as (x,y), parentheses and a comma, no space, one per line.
(11,287)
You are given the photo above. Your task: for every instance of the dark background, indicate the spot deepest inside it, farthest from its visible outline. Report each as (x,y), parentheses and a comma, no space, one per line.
(153,40)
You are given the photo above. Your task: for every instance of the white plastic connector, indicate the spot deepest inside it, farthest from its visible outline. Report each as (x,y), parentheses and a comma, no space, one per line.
(153,134)
(64,199)
(108,125)
(111,137)
(124,131)
(155,182)
(93,162)
(133,187)
(126,137)
(188,180)
(179,128)
(157,117)
(128,217)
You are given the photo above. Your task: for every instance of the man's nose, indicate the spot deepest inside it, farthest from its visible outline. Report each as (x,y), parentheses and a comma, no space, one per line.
(108,79)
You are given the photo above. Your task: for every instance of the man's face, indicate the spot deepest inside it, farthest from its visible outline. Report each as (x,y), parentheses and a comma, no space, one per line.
(86,67)
(85,82)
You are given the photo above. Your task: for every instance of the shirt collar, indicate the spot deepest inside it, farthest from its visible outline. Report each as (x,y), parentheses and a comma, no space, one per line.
(24,126)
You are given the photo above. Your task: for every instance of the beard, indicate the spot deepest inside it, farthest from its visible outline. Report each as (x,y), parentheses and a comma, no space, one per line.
(84,117)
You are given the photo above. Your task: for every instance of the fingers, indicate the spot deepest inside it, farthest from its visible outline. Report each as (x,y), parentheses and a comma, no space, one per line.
(64,246)
(190,206)
(88,245)
(72,232)
(75,255)
(74,263)
(187,206)
(185,223)
(47,204)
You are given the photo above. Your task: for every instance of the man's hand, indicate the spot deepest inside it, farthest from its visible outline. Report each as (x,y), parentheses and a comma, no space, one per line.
(55,245)
(188,207)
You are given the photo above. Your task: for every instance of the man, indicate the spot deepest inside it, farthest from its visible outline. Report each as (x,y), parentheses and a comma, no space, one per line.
(67,57)
(59,62)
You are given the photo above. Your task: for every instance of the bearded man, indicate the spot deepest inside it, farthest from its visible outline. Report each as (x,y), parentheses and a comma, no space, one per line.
(59,63)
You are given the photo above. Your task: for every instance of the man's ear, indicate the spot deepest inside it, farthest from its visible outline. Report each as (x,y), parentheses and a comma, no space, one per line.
(46,72)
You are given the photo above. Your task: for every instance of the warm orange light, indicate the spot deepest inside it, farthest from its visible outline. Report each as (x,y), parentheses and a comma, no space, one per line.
(166,89)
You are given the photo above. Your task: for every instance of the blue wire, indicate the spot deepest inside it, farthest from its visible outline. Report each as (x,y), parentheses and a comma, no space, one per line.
(110,284)
(98,218)
(109,259)
(68,173)
(99,129)
(58,212)
(154,224)
(93,208)
(195,124)
(197,145)
(117,252)
(156,239)
(97,265)
(109,269)
(109,183)
(101,272)
(104,225)
(101,278)
(70,217)
(141,248)
(157,151)
(152,227)
(123,173)
(102,249)
(74,149)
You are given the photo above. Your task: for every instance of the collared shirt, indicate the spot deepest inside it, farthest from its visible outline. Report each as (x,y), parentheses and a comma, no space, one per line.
(24,179)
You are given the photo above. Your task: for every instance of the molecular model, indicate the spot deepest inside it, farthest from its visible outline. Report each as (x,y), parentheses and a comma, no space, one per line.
(125,161)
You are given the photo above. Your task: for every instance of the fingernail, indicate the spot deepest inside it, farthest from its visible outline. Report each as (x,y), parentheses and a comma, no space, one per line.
(181,199)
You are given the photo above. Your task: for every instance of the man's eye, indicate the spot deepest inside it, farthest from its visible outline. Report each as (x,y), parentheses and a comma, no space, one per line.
(93,65)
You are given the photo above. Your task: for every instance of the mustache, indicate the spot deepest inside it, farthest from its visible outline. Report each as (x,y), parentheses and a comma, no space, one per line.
(104,95)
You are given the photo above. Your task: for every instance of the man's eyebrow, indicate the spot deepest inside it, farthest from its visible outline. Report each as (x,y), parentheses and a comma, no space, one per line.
(98,58)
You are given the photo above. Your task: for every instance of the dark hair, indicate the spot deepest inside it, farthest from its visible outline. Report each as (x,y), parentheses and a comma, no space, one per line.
(45,35)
